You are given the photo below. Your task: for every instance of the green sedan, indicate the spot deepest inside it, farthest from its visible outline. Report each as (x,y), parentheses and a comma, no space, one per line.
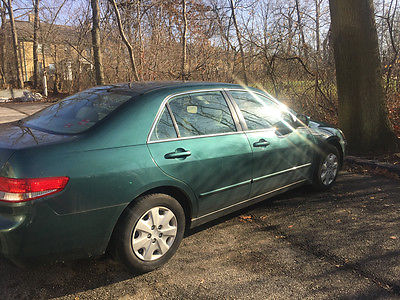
(128,168)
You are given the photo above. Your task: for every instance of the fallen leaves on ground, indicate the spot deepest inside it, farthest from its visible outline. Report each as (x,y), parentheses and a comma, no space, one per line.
(246,219)
(354,168)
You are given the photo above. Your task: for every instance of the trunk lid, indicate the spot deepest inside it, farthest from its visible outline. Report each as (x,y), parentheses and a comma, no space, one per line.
(14,136)
(5,154)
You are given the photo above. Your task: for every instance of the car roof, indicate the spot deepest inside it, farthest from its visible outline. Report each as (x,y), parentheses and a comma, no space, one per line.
(143,87)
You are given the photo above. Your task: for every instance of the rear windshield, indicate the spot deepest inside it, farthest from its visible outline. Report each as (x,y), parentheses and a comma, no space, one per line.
(77,113)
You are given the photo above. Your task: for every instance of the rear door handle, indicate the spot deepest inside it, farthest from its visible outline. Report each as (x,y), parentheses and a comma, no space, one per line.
(261,143)
(179,153)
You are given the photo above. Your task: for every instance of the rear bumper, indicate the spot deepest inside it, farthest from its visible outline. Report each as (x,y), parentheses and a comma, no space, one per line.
(35,233)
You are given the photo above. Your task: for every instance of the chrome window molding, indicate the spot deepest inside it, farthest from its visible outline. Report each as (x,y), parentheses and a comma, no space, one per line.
(195,137)
(163,103)
(228,99)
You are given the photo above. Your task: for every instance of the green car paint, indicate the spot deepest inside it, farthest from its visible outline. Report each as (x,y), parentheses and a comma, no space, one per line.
(115,161)
(213,158)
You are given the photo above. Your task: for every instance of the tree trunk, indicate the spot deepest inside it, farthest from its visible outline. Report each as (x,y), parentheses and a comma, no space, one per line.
(184,42)
(3,45)
(56,77)
(300,27)
(317,25)
(362,111)
(44,78)
(126,42)
(35,44)
(20,83)
(140,37)
(290,34)
(240,43)
(98,65)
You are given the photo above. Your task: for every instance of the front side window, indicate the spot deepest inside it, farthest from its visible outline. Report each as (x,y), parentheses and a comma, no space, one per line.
(259,111)
(77,113)
(202,114)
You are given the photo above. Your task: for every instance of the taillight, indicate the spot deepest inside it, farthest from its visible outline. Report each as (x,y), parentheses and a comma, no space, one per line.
(20,190)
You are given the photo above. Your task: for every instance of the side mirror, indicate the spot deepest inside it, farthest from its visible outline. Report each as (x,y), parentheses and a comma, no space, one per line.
(303,120)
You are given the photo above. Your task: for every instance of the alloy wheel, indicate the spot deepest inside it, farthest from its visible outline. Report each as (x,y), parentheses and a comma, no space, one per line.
(329,169)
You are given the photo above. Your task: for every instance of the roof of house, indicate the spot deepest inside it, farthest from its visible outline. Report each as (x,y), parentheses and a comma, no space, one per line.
(47,32)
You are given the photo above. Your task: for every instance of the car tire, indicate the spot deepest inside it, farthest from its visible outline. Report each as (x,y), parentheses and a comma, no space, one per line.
(149,232)
(327,168)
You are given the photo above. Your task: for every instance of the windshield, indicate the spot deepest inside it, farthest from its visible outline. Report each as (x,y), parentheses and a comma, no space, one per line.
(77,113)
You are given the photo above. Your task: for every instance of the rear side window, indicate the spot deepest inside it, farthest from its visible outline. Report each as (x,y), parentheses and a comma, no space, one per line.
(77,113)
(202,114)
(164,128)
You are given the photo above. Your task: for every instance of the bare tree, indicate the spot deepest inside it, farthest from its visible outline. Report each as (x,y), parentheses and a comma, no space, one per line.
(184,42)
(14,35)
(2,46)
(286,47)
(35,44)
(140,35)
(317,25)
(125,40)
(362,112)
(300,27)
(240,42)
(98,64)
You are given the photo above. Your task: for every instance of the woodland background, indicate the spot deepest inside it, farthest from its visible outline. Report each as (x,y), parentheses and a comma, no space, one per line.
(281,46)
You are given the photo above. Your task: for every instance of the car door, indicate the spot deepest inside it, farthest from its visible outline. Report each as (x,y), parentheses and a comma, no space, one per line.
(282,154)
(196,140)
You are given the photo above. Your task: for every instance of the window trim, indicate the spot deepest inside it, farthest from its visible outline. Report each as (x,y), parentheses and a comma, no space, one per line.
(166,109)
(165,103)
(171,115)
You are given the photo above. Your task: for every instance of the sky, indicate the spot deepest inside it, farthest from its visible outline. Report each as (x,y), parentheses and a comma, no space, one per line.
(63,10)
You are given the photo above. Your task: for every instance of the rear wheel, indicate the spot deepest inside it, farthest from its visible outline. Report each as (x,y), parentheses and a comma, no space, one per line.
(327,168)
(149,232)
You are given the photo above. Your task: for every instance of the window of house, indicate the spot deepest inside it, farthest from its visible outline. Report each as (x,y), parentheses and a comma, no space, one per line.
(52,68)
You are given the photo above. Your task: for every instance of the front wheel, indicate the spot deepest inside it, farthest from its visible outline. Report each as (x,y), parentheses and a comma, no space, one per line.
(149,232)
(327,168)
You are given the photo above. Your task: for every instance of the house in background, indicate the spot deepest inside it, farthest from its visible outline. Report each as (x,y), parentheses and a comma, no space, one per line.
(58,52)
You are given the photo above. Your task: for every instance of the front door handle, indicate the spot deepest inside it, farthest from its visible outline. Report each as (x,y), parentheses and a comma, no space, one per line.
(261,143)
(179,153)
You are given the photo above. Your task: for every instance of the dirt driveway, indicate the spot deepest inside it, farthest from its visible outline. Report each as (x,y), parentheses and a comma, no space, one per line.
(344,243)
(10,112)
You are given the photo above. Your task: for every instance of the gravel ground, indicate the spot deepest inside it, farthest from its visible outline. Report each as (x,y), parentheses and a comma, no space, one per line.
(344,243)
